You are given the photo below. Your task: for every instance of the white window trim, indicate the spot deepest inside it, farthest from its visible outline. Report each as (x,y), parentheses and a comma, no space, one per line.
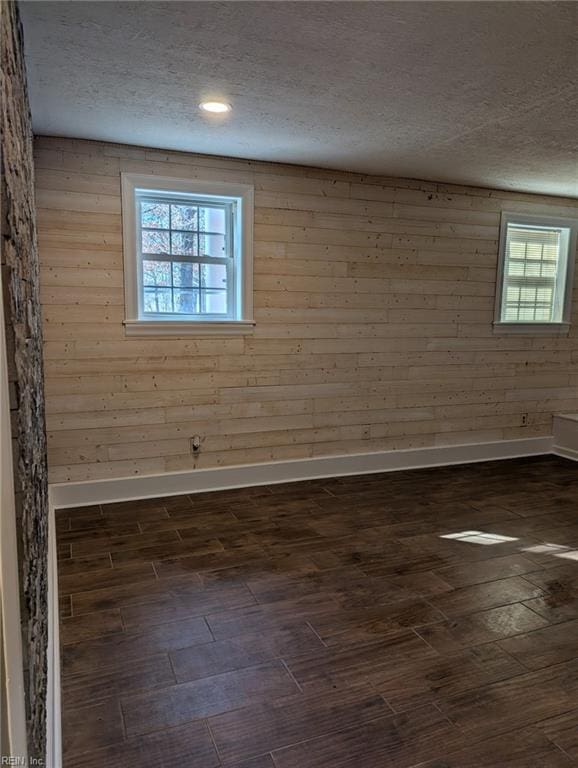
(537,328)
(139,326)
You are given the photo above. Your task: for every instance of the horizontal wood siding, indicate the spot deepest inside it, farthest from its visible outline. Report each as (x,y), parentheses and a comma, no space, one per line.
(374,304)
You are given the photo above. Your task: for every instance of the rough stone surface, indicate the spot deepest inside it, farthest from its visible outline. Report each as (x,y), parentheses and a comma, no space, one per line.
(20,279)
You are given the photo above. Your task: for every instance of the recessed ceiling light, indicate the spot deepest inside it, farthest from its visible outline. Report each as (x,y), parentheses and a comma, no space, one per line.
(215,106)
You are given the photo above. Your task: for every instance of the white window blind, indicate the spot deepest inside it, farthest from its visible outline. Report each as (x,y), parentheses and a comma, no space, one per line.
(536,260)
(532,275)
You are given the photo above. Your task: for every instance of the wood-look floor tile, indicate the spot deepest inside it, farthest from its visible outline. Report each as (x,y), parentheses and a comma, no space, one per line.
(165,551)
(521,749)
(269,617)
(130,677)
(245,651)
(362,625)
(397,741)
(544,647)
(108,542)
(90,528)
(188,746)
(560,577)
(457,551)
(562,731)
(536,524)
(489,570)
(196,601)
(77,512)
(344,524)
(78,628)
(566,535)
(302,491)
(412,683)
(546,554)
(263,761)
(191,519)
(268,511)
(362,604)
(181,703)
(271,537)
(87,729)
(232,506)
(481,597)
(64,552)
(440,519)
(118,596)
(80,567)
(523,503)
(228,528)
(139,509)
(176,504)
(104,578)
(260,567)
(514,703)
(339,667)
(400,562)
(422,584)
(115,650)
(94,540)
(397,530)
(64,606)
(253,730)
(219,559)
(542,507)
(348,585)
(76,521)
(61,524)
(483,627)
(555,607)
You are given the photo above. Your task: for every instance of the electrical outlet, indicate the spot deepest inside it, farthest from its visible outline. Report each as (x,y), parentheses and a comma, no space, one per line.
(524,419)
(195,443)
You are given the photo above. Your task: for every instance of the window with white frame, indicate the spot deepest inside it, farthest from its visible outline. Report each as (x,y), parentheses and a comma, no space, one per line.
(536,265)
(187,255)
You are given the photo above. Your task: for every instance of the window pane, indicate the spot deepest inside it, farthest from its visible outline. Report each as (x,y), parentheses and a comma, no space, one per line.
(213,220)
(528,304)
(154,215)
(183,217)
(215,302)
(213,275)
(186,302)
(177,234)
(185,275)
(158,300)
(155,242)
(212,245)
(184,244)
(532,282)
(156,272)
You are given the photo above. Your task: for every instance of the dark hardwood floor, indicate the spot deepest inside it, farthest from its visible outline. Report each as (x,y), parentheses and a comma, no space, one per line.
(423,618)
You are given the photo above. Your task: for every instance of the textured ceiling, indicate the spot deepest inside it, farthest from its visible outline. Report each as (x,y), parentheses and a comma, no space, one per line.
(472,92)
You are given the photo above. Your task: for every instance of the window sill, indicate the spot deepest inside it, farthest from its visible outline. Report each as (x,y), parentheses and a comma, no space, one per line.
(532,329)
(188,328)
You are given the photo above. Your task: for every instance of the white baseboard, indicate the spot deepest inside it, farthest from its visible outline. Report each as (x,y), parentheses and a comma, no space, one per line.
(221,478)
(565,440)
(53,711)
(565,453)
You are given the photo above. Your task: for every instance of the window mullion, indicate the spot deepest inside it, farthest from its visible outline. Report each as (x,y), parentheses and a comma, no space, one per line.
(214,292)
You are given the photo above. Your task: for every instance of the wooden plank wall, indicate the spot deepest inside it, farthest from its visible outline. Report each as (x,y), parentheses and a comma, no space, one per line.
(374,304)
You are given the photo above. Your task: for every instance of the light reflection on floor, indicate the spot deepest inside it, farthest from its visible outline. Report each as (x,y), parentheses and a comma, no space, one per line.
(486,538)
